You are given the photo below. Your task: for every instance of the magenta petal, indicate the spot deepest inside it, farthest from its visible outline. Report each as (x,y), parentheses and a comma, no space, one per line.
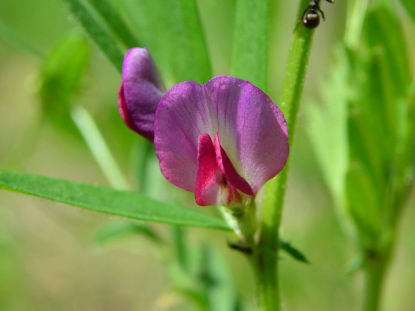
(140,92)
(177,131)
(207,188)
(122,108)
(227,169)
(252,129)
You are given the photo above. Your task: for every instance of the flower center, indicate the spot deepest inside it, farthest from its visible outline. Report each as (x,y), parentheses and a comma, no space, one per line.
(217,180)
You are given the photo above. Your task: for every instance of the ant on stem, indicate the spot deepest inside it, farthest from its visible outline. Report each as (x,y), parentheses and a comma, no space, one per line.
(311,15)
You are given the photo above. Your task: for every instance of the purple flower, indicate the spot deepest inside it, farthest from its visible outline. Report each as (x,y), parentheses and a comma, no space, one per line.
(222,140)
(140,92)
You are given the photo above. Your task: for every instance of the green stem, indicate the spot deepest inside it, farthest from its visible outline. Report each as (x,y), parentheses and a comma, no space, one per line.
(373,284)
(375,270)
(142,168)
(243,221)
(98,147)
(267,250)
(179,248)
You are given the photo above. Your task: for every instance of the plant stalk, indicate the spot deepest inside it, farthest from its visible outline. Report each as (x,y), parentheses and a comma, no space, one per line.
(375,272)
(99,148)
(266,254)
(374,275)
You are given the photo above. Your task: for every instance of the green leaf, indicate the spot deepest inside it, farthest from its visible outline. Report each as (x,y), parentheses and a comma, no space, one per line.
(294,252)
(105,200)
(407,163)
(180,248)
(356,264)
(111,15)
(331,147)
(61,76)
(364,203)
(173,32)
(366,105)
(383,33)
(249,57)
(191,59)
(217,283)
(97,31)
(410,7)
(379,122)
(118,230)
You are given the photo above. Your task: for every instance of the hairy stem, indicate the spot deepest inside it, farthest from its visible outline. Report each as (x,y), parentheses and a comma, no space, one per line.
(267,250)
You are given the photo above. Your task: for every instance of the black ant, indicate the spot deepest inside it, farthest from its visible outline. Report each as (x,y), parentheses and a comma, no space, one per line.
(311,15)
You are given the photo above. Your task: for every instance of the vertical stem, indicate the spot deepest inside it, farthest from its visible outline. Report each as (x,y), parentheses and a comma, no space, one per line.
(374,275)
(141,160)
(267,251)
(98,147)
(179,245)
(375,271)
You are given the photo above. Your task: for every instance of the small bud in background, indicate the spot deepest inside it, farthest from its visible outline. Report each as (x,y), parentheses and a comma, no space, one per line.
(60,77)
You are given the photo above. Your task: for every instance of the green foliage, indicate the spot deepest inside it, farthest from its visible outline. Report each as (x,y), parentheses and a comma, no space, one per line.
(61,76)
(111,15)
(215,277)
(294,252)
(180,248)
(173,32)
(368,108)
(331,146)
(207,280)
(118,230)
(200,274)
(378,123)
(250,46)
(410,7)
(98,31)
(106,200)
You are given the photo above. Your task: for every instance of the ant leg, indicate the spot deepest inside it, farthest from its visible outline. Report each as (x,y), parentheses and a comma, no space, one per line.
(304,14)
(322,13)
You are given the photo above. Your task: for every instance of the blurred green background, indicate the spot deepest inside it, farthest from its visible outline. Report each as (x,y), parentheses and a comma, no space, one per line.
(49,257)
